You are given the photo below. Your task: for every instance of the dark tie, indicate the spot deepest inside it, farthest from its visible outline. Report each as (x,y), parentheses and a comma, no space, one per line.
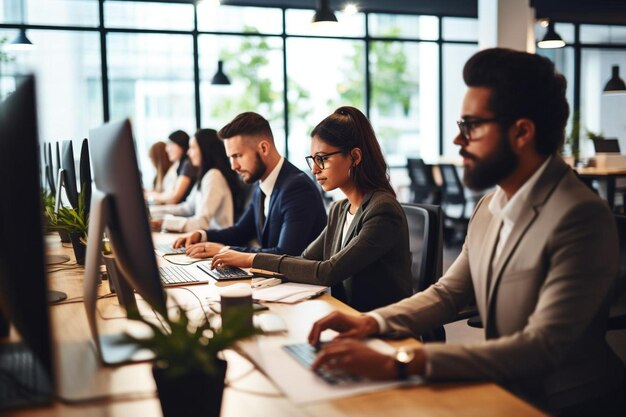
(261,210)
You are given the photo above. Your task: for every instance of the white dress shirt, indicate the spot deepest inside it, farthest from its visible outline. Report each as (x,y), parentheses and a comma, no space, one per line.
(267,187)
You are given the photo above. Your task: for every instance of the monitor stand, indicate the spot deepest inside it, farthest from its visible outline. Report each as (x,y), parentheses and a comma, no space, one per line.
(57,296)
(110,348)
(56,259)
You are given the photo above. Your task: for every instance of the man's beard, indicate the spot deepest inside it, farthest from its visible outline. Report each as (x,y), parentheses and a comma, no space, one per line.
(257,171)
(491,169)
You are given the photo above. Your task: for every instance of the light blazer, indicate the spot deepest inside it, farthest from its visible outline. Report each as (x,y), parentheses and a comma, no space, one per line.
(546,306)
(295,217)
(373,268)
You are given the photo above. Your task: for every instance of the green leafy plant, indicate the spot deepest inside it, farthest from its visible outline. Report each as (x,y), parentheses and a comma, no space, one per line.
(182,347)
(573,139)
(594,136)
(70,219)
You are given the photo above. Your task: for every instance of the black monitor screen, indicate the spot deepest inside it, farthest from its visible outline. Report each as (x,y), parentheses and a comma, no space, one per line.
(116,175)
(69,172)
(23,287)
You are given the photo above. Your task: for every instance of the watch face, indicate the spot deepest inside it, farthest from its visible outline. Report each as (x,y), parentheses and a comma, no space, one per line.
(404,355)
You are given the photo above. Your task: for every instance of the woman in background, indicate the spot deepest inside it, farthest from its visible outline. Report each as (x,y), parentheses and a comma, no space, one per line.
(218,197)
(180,178)
(161,162)
(363,253)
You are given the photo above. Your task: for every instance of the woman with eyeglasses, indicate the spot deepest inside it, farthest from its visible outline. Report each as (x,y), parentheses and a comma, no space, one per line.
(363,253)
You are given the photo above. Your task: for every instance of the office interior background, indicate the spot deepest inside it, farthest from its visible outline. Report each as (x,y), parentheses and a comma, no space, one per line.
(400,62)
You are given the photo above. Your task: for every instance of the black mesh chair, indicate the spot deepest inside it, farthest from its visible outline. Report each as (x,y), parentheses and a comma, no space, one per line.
(424,189)
(617,315)
(453,203)
(426,245)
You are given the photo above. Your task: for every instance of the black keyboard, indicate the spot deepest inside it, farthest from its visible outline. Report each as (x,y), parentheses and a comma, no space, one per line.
(305,354)
(167,249)
(23,381)
(176,275)
(225,273)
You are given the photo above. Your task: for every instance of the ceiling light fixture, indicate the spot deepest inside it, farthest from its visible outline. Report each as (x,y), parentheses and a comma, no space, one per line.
(615,85)
(220,78)
(551,39)
(323,13)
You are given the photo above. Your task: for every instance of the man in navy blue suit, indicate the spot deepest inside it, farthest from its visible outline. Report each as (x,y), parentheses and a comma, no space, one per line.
(286,212)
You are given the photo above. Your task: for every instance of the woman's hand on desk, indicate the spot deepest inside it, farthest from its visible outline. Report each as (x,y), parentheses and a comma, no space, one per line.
(232,258)
(204,249)
(348,326)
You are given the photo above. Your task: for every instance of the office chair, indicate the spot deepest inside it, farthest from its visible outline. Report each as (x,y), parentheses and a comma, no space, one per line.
(424,189)
(426,245)
(453,203)
(617,314)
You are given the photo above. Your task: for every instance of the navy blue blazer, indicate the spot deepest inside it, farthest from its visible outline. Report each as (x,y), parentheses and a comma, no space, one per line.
(296,216)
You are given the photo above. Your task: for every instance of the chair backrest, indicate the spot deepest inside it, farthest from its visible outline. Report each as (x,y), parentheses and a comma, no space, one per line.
(620,220)
(453,191)
(606,145)
(425,224)
(423,185)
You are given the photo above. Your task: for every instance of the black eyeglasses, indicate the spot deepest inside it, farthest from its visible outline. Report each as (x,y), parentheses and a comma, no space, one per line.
(466,126)
(319,159)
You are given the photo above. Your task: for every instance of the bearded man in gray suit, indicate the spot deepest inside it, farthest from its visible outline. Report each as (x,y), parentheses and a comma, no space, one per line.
(540,255)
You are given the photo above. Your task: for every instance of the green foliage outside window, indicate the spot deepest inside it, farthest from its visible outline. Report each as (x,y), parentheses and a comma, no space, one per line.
(392,84)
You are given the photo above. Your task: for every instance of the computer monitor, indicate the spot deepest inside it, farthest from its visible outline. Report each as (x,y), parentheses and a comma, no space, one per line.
(118,205)
(67,176)
(609,145)
(26,368)
(84,173)
(49,168)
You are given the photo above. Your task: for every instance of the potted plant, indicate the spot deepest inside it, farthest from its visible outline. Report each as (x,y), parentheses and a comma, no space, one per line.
(75,222)
(188,370)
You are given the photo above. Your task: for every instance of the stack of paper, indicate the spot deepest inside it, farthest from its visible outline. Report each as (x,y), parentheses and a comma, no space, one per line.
(289,292)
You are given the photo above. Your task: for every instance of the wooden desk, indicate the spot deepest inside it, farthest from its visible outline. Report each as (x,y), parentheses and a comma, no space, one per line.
(249,393)
(608,176)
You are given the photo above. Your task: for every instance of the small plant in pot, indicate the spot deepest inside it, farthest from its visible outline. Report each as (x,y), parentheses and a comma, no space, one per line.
(75,222)
(188,370)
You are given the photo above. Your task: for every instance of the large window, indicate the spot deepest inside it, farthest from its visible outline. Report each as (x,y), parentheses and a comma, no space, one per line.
(317,87)
(151,81)
(67,65)
(153,62)
(254,66)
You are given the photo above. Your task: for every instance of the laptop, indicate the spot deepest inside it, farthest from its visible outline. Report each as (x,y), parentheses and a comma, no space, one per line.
(606,145)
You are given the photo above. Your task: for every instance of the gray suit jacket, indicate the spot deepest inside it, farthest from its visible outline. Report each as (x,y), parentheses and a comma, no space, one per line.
(544,304)
(373,269)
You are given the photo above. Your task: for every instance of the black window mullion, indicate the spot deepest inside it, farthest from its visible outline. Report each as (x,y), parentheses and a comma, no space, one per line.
(104,65)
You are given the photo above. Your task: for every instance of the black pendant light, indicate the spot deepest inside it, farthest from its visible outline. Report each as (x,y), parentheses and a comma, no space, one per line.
(615,85)
(220,78)
(551,39)
(323,13)
(21,41)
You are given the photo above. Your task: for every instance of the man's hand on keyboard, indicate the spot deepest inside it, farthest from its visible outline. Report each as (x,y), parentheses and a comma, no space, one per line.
(187,240)
(355,358)
(348,326)
(232,258)
(204,249)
